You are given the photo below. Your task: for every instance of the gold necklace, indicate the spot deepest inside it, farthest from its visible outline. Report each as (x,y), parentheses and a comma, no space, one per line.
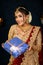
(25,29)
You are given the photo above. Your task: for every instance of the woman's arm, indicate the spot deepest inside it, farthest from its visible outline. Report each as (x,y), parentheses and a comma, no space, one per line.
(11,32)
(10,36)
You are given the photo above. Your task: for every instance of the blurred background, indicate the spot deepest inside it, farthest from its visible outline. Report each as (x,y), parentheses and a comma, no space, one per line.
(7,8)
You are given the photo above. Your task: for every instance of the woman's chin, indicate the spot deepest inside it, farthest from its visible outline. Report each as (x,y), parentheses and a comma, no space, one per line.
(20,24)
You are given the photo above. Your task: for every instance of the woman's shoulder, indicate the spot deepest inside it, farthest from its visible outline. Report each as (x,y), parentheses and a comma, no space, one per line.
(13,26)
(37,26)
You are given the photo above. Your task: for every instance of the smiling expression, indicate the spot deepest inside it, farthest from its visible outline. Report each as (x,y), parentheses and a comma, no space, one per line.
(20,18)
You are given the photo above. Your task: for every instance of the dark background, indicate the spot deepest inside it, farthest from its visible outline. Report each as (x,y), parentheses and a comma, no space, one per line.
(7,8)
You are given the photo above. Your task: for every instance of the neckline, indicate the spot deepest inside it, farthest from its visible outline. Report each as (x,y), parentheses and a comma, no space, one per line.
(24,29)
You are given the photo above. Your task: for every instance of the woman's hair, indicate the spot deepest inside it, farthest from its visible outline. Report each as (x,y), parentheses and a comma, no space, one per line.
(24,11)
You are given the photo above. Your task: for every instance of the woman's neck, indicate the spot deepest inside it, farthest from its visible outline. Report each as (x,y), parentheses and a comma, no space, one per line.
(25,25)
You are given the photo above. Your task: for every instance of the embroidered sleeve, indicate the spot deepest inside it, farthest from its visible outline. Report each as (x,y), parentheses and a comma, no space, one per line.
(10,36)
(11,32)
(38,42)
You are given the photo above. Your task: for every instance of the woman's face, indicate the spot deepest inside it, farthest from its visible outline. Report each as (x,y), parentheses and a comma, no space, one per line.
(20,18)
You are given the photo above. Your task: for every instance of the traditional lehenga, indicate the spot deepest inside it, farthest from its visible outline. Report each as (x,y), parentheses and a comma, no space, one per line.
(32,37)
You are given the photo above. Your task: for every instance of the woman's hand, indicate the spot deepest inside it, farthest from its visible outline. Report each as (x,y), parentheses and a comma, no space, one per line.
(2,45)
(30,48)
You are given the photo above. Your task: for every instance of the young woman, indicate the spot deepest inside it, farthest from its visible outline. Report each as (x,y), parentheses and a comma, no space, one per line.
(29,34)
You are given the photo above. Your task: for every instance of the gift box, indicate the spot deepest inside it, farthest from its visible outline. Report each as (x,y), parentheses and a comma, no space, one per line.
(15,46)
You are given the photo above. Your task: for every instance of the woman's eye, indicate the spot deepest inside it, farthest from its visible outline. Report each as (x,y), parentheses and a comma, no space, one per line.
(20,16)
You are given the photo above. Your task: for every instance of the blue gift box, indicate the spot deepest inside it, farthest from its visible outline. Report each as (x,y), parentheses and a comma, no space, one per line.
(15,46)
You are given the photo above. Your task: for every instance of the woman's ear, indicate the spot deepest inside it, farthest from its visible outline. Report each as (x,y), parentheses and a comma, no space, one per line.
(27,16)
